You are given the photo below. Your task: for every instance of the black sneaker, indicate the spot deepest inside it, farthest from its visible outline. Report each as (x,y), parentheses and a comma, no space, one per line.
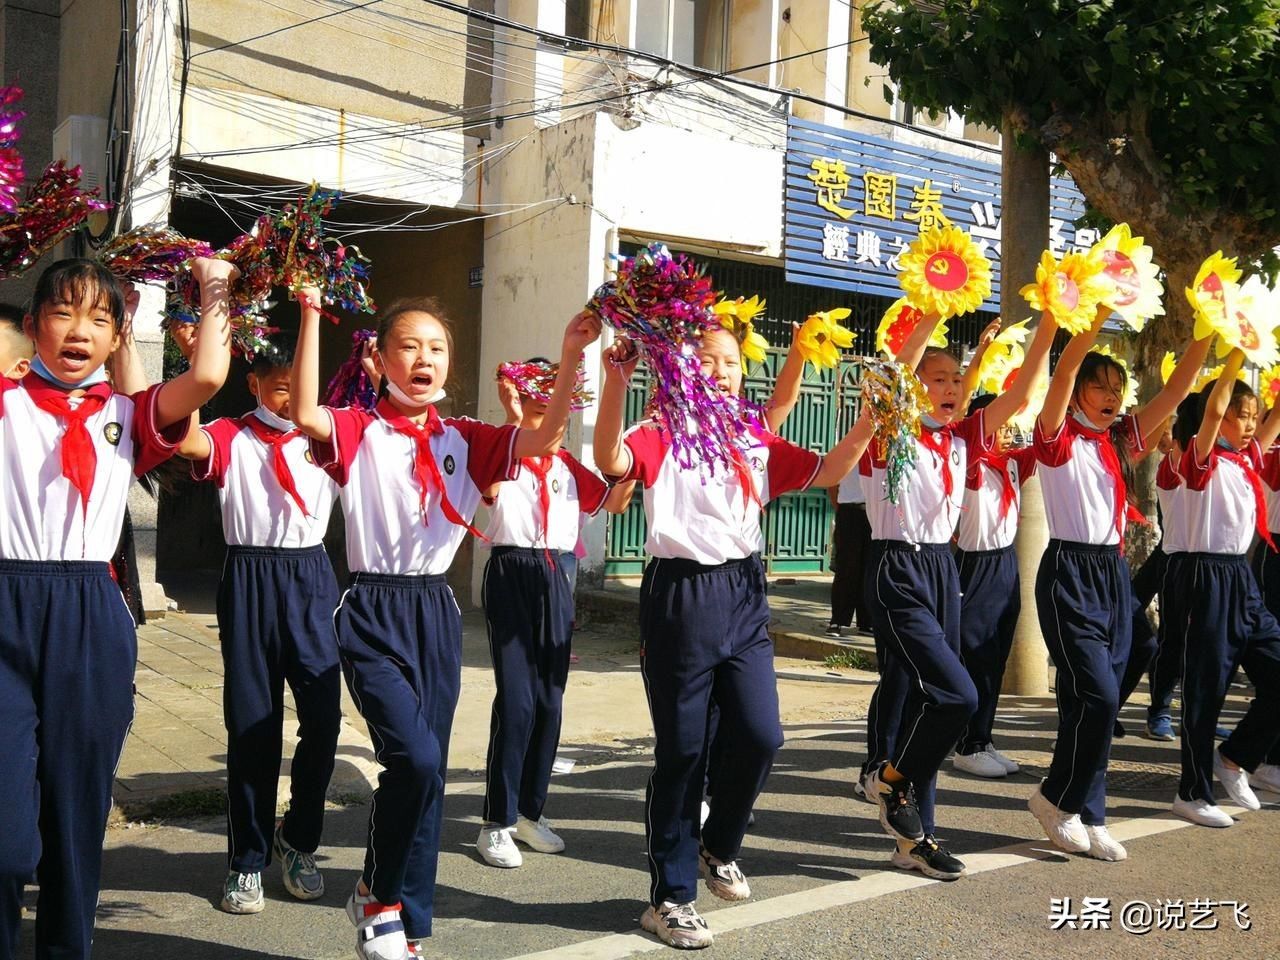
(899,814)
(833,629)
(1118,732)
(929,858)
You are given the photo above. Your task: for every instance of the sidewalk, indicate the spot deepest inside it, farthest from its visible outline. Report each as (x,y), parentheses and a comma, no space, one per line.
(174,761)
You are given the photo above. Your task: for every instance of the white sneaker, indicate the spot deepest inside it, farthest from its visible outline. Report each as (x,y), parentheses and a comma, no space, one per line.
(678,925)
(379,929)
(1063,829)
(1236,782)
(242,893)
(725,880)
(980,764)
(1010,766)
(497,848)
(1103,846)
(1202,812)
(1266,777)
(537,836)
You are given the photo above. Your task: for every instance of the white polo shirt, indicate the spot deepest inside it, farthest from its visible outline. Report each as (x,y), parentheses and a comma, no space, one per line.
(925,511)
(43,517)
(1173,514)
(983,526)
(1079,493)
(1271,486)
(374,466)
(709,518)
(516,517)
(1220,502)
(256,509)
(850,488)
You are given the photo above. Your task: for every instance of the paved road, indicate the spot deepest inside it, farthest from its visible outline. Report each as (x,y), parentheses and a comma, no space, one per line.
(816,859)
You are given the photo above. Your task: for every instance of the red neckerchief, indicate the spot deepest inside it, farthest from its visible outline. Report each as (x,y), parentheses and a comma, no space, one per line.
(742,470)
(1111,464)
(540,467)
(425,469)
(276,440)
(999,462)
(1259,497)
(939,441)
(79,459)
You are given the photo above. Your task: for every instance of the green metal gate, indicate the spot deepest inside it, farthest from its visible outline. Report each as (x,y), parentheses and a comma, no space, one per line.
(797,527)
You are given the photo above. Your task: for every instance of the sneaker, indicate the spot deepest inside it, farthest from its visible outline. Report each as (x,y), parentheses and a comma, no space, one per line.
(297,869)
(1236,782)
(1063,829)
(497,848)
(1010,766)
(899,814)
(1202,812)
(1267,776)
(379,929)
(704,813)
(1118,732)
(1103,846)
(725,880)
(860,789)
(537,836)
(929,858)
(833,629)
(1161,728)
(678,925)
(242,893)
(980,764)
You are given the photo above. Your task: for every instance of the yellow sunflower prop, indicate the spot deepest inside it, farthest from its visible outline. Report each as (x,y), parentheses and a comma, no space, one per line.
(944,272)
(736,316)
(1025,418)
(1269,385)
(1208,293)
(1130,385)
(1249,322)
(1131,280)
(896,325)
(1003,357)
(1206,377)
(1069,288)
(822,338)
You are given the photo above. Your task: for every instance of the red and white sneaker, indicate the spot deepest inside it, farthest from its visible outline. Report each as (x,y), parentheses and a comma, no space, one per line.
(379,929)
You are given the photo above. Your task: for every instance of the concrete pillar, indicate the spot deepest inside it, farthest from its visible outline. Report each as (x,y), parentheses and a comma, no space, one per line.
(532,78)
(1024,232)
(754,35)
(817,25)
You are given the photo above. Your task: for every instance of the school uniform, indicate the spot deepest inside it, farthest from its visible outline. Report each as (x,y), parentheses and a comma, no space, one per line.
(408,494)
(275,620)
(1084,602)
(849,548)
(990,591)
(1166,665)
(1266,563)
(925,696)
(528,607)
(704,624)
(67,646)
(1221,613)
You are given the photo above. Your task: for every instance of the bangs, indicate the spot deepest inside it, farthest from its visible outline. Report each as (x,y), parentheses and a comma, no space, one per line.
(79,283)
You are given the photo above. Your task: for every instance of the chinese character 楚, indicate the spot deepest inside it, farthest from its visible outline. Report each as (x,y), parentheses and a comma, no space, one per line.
(832,182)
(879,194)
(926,208)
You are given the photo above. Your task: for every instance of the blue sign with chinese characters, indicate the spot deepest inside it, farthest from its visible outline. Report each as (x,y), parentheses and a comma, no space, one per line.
(854,203)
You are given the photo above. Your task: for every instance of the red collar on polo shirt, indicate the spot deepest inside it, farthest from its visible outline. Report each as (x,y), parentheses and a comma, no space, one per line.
(1259,497)
(79,458)
(425,470)
(276,440)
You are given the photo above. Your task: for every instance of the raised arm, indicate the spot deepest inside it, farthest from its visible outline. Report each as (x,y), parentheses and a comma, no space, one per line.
(619,497)
(913,348)
(127,372)
(1270,428)
(1215,408)
(1183,378)
(1034,369)
(1063,381)
(973,372)
(583,330)
(211,358)
(845,455)
(606,443)
(304,394)
(509,397)
(786,389)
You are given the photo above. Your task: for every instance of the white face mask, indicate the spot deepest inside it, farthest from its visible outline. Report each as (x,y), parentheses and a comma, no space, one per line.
(273,420)
(1085,421)
(402,397)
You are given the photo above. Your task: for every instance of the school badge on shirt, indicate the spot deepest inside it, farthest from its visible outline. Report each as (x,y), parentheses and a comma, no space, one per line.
(449,464)
(112,432)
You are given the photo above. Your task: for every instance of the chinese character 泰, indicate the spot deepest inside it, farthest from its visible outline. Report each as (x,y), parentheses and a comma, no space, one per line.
(835,242)
(868,247)
(879,194)
(1060,914)
(1095,913)
(926,208)
(832,181)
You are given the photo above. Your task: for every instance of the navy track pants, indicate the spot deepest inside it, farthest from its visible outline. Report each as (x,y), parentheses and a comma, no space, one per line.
(990,602)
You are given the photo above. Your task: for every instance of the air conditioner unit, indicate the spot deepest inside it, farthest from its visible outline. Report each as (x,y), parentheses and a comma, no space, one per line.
(82,141)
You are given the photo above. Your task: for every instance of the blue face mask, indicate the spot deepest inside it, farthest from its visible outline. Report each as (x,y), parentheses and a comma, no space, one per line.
(98,376)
